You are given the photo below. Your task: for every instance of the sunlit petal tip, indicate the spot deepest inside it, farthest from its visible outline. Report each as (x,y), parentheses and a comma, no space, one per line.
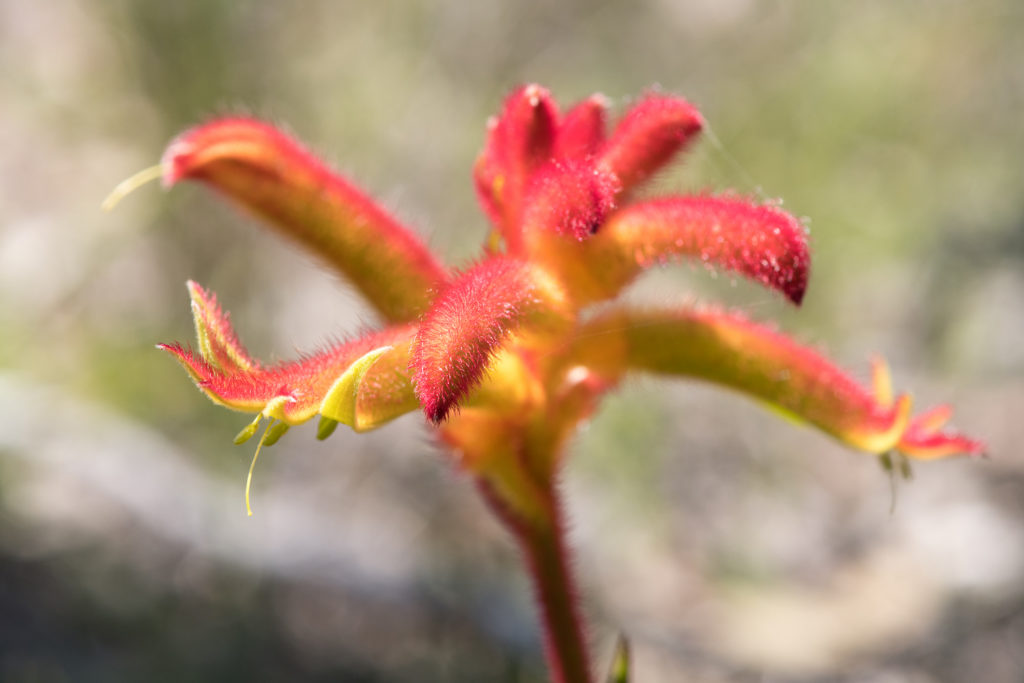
(940,445)
(582,131)
(759,241)
(648,136)
(881,381)
(273,176)
(519,140)
(194,364)
(926,439)
(218,343)
(236,138)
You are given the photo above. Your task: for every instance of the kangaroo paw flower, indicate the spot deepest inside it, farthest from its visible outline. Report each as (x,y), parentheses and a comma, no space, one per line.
(507,357)
(557,189)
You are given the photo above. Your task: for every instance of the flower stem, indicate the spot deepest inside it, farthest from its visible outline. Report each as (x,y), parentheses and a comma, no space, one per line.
(564,643)
(549,566)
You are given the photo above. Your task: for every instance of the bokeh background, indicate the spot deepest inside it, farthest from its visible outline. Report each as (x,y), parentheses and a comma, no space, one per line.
(729,545)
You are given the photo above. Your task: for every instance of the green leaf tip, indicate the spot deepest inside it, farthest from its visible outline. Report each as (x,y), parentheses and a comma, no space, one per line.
(325,428)
(619,672)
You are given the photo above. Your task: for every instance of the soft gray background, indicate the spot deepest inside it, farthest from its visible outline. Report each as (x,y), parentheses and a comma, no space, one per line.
(729,545)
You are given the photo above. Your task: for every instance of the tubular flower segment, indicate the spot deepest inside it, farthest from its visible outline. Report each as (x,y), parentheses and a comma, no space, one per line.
(728,350)
(503,336)
(502,356)
(371,369)
(271,175)
(470,320)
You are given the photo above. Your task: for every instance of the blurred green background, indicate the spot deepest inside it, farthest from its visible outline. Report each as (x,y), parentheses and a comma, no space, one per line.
(729,545)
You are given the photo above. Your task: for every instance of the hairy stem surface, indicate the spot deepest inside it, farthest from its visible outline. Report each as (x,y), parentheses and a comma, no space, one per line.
(548,563)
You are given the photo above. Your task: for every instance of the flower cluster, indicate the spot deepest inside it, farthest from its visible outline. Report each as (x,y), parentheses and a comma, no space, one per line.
(506,355)
(500,346)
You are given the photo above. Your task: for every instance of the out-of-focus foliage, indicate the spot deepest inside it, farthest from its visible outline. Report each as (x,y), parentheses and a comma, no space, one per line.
(728,547)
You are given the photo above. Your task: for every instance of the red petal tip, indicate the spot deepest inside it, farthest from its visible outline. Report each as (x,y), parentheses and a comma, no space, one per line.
(761,242)
(925,437)
(583,129)
(649,135)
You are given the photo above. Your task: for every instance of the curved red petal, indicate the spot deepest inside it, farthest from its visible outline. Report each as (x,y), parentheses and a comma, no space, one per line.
(648,136)
(518,141)
(582,131)
(761,242)
(270,174)
(468,323)
(302,384)
(294,391)
(729,350)
(926,439)
(217,339)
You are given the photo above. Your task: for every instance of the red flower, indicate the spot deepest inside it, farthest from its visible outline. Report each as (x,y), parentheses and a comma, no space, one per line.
(504,337)
(503,356)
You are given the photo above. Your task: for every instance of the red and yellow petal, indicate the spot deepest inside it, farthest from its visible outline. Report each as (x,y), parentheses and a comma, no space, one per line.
(371,369)
(729,350)
(760,242)
(270,174)
(925,437)
(217,340)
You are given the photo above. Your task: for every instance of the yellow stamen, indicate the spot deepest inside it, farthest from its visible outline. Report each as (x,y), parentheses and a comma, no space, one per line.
(129,185)
(252,465)
(881,381)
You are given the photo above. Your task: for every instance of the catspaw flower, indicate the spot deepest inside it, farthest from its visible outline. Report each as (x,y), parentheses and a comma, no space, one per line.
(504,355)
